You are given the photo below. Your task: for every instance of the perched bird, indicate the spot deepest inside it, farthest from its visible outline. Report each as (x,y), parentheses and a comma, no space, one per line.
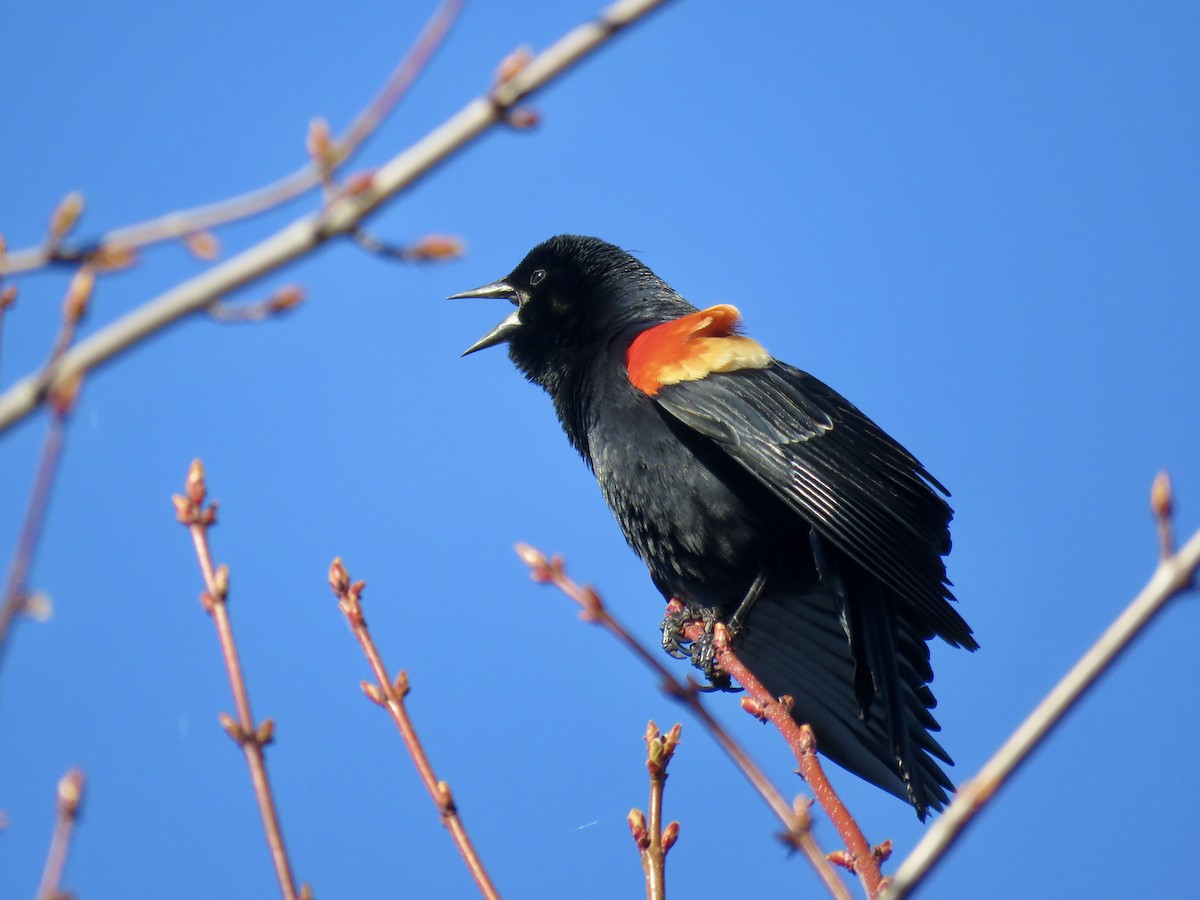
(754,493)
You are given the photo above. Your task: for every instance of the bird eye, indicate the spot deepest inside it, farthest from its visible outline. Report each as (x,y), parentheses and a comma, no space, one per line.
(537,277)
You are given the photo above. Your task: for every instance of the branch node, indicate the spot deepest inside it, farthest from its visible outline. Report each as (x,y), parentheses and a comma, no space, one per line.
(113,257)
(64,394)
(400,686)
(842,859)
(637,828)
(321,150)
(374,694)
(445,799)
(339,578)
(670,835)
(523,118)
(232,728)
(755,708)
(219,594)
(512,65)
(265,733)
(64,218)
(882,852)
(1162,503)
(202,244)
(194,485)
(79,292)
(70,793)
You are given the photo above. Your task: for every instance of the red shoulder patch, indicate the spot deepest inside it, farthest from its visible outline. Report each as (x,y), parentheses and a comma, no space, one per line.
(691,347)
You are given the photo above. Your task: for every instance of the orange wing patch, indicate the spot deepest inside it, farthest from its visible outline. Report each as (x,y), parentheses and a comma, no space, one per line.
(691,347)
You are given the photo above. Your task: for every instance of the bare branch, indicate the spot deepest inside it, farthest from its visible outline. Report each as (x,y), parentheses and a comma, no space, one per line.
(391,693)
(198,518)
(70,798)
(184,223)
(340,217)
(8,296)
(1176,573)
(283,300)
(62,401)
(652,840)
(15,587)
(430,248)
(860,857)
(798,831)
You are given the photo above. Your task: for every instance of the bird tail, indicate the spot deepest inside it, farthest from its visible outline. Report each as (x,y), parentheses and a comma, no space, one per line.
(859,680)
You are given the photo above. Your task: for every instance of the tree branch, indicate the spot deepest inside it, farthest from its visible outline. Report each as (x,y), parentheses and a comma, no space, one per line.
(70,797)
(859,857)
(390,694)
(340,217)
(187,222)
(62,401)
(1176,573)
(198,518)
(652,840)
(798,831)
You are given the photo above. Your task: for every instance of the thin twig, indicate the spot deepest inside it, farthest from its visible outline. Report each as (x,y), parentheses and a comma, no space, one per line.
(283,300)
(185,222)
(191,512)
(431,248)
(1161,505)
(8,296)
(796,823)
(860,857)
(652,840)
(15,588)
(1175,574)
(391,693)
(62,401)
(70,797)
(340,217)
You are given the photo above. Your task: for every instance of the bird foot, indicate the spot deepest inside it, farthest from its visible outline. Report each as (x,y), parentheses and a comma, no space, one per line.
(701,652)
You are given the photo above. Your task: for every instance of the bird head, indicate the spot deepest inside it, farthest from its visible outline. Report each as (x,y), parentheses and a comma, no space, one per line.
(573,296)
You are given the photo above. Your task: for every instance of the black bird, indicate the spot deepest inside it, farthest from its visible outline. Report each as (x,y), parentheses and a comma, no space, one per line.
(752,489)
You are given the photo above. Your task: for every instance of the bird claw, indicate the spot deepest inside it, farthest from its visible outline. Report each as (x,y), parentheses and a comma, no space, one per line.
(701,652)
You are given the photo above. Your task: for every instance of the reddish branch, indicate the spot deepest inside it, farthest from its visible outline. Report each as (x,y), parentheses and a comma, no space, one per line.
(652,840)
(391,693)
(70,797)
(191,511)
(61,400)
(859,857)
(797,826)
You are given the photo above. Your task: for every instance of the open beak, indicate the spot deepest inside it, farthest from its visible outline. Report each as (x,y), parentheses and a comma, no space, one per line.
(503,331)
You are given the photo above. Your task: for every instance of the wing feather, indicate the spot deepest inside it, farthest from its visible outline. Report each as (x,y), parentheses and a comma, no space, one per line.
(860,490)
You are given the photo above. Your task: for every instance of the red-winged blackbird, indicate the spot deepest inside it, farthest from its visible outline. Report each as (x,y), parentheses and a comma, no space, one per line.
(751,489)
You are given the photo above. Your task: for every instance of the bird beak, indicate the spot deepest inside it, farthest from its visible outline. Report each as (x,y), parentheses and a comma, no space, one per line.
(503,331)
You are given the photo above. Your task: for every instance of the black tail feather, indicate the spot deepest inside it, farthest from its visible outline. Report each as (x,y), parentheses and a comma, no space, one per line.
(793,644)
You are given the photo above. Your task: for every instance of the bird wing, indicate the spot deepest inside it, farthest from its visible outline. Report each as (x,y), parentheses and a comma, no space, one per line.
(859,489)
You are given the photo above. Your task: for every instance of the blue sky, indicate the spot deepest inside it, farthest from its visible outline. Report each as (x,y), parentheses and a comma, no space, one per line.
(977,221)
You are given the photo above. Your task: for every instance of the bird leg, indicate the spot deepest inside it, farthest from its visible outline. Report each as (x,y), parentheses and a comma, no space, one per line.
(702,651)
(739,617)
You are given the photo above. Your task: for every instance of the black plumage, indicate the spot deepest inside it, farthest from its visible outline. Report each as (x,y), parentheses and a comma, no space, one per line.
(737,468)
